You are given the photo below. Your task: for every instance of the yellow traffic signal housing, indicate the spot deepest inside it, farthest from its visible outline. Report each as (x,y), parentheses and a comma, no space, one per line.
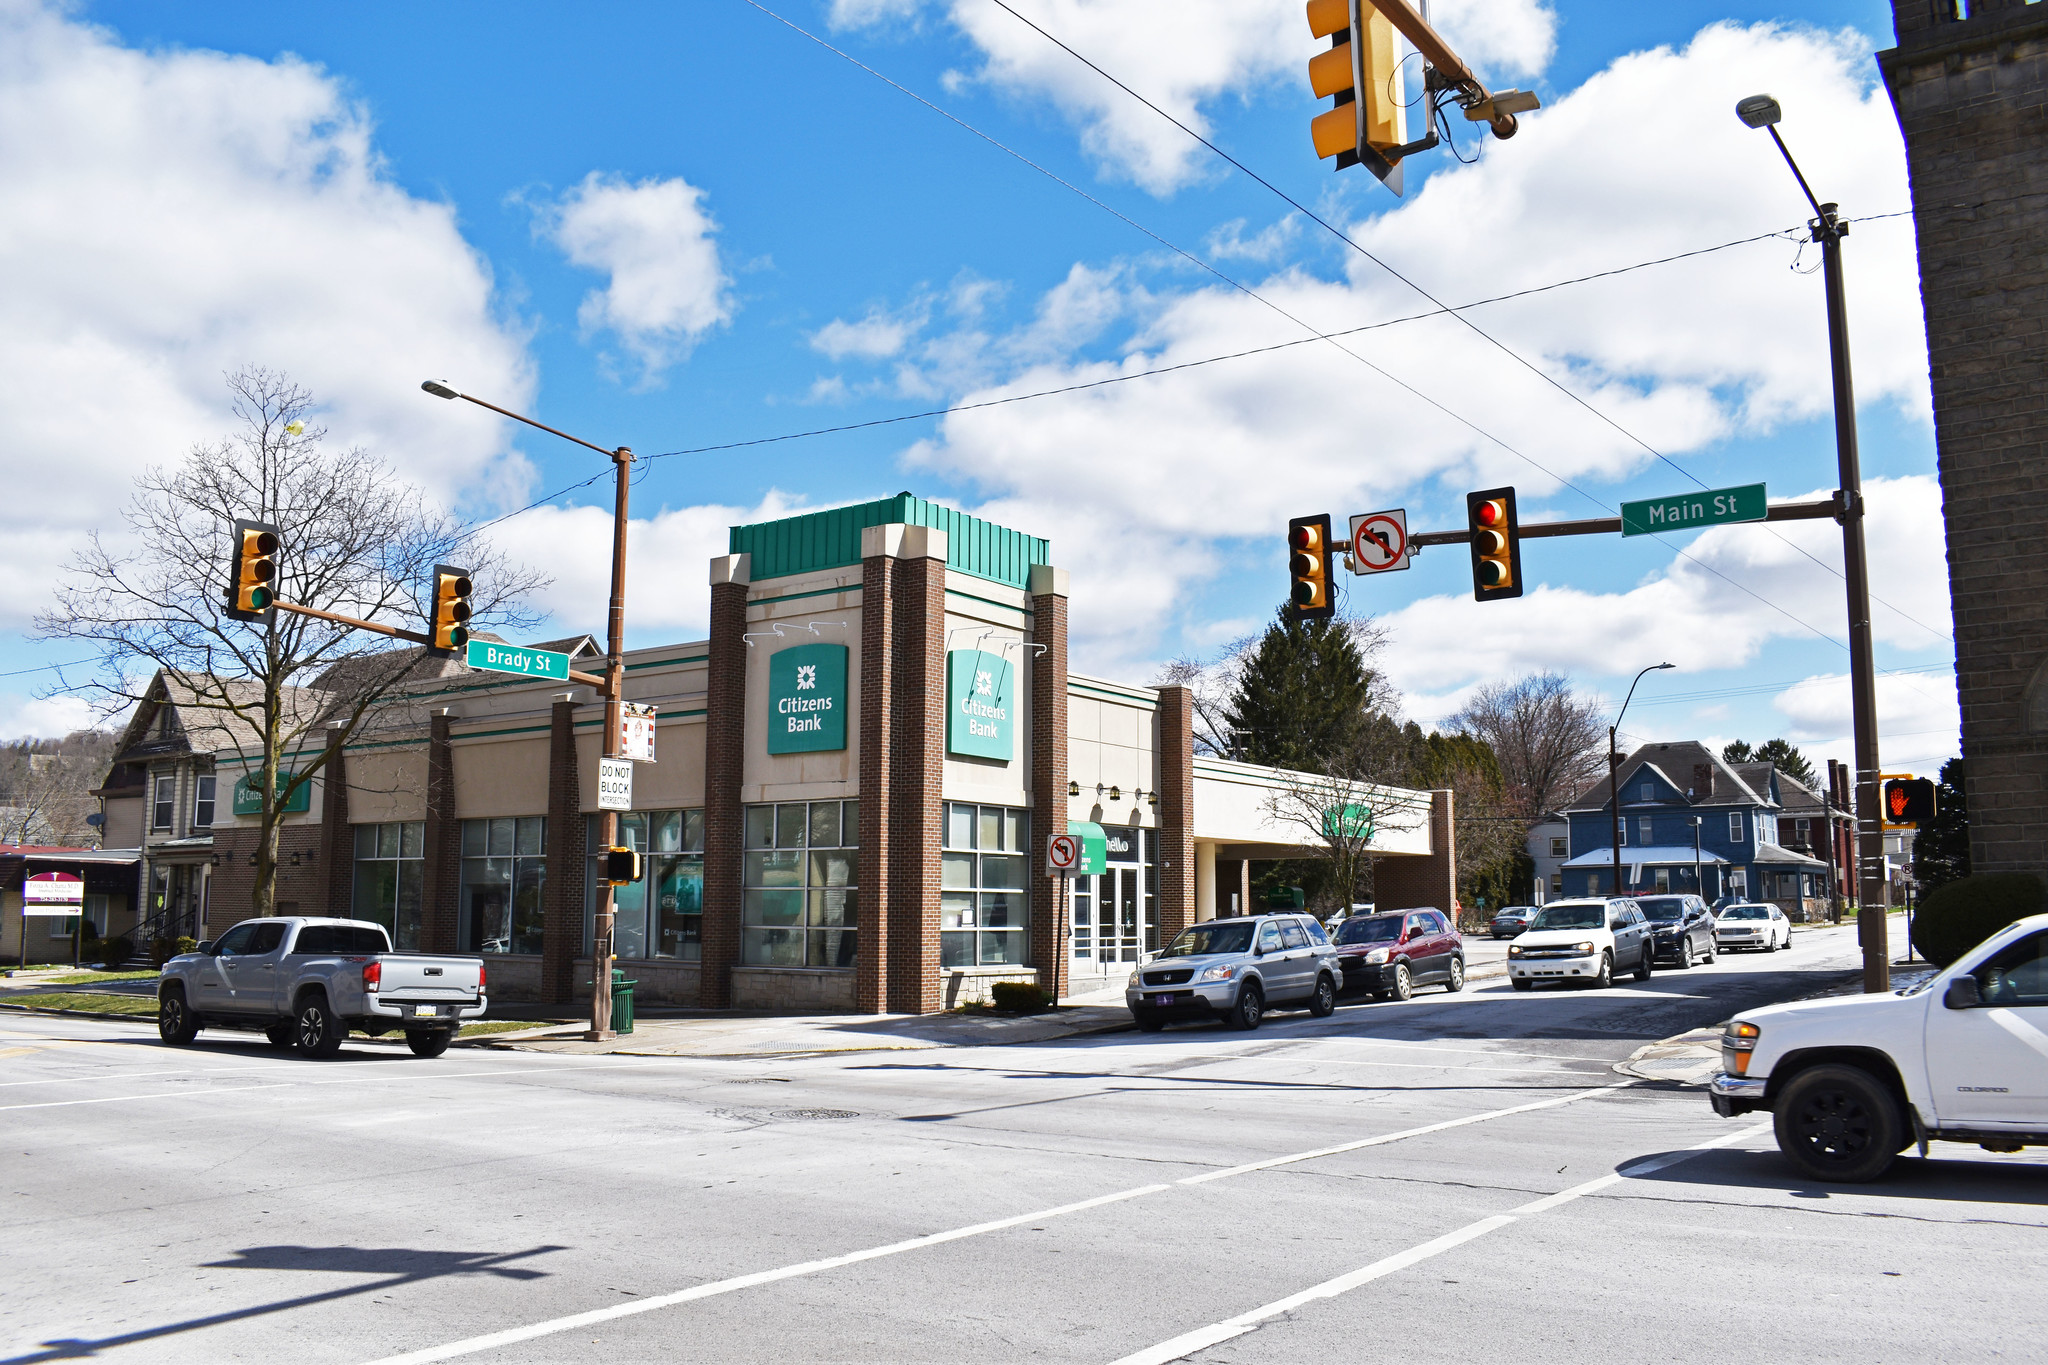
(450,630)
(623,866)
(1496,544)
(1362,72)
(1310,596)
(252,573)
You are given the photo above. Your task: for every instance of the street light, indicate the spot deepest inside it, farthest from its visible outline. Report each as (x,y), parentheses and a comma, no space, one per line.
(1762,111)
(1614,768)
(614,694)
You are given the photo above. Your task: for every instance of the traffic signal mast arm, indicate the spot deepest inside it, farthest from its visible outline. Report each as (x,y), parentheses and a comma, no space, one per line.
(1784,511)
(395,633)
(1451,68)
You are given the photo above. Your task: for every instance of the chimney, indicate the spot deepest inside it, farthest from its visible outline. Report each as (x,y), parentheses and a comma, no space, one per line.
(1703,781)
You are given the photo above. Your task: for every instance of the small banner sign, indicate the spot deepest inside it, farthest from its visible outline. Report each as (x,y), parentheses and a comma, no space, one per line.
(52,893)
(636,732)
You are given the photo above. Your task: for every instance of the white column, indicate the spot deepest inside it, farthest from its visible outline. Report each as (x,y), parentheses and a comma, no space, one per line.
(1205,880)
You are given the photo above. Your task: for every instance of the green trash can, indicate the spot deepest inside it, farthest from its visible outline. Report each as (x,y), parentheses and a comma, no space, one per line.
(622,1002)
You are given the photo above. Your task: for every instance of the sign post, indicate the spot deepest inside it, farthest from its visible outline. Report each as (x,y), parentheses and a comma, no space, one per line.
(1062,856)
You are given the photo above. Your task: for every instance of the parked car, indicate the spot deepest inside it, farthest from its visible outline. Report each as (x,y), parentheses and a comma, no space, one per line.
(1512,920)
(1391,954)
(1854,1080)
(1682,928)
(1582,942)
(1235,970)
(307,982)
(1753,926)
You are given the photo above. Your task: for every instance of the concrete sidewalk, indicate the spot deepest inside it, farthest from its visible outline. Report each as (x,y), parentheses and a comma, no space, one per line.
(729,1035)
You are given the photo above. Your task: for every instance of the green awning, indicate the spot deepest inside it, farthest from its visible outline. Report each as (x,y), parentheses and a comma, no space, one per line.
(1094,847)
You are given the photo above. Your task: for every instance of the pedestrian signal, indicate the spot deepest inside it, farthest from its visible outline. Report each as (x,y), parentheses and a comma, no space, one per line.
(1310,597)
(1908,801)
(622,866)
(450,630)
(252,572)
(1496,544)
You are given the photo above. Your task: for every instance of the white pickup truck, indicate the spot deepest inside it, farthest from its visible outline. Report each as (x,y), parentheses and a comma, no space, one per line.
(1854,1080)
(307,982)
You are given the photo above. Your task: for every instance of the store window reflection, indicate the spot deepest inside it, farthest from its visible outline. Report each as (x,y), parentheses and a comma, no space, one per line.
(503,873)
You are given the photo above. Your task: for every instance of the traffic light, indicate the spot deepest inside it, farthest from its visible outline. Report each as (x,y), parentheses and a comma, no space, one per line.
(1362,71)
(451,609)
(1308,563)
(252,572)
(1496,544)
(1909,801)
(622,866)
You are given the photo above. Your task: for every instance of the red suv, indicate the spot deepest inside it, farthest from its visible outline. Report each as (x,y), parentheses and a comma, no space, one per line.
(1391,954)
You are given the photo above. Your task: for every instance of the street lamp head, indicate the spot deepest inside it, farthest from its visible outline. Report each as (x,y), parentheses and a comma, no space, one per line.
(1759,111)
(1667,665)
(441,388)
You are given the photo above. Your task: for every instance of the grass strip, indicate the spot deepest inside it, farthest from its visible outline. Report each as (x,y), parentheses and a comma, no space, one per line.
(95,978)
(86,1003)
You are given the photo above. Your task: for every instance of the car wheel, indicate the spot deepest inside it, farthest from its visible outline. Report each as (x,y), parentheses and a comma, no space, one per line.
(1456,981)
(1685,955)
(1713,951)
(429,1042)
(175,1023)
(319,1031)
(1648,964)
(1839,1123)
(1324,1003)
(281,1035)
(1250,1008)
(1605,978)
(1404,982)
(1523,983)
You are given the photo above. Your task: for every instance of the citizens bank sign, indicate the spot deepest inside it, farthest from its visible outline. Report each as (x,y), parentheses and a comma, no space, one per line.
(981,705)
(807,699)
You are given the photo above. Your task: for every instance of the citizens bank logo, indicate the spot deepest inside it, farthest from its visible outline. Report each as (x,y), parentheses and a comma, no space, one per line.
(984,684)
(807,677)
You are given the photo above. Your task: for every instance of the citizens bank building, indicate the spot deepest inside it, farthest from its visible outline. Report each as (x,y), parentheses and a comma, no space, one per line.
(854,781)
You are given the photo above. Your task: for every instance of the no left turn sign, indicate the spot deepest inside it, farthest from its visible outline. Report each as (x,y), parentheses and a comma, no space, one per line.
(1379,541)
(1062,853)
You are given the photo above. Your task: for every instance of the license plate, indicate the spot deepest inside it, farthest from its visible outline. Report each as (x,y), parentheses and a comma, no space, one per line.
(1166,999)
(424,1011)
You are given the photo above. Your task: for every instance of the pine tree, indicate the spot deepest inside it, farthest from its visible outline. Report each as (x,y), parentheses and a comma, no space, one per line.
(1302,696)
(1941,852)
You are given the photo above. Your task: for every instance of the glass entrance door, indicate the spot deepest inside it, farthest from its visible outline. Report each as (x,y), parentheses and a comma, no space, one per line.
(1112,919)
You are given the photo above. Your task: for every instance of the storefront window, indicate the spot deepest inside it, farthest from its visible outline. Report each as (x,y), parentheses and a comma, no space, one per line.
(390,877)
(504,869)
(984,908)
(799,876)
(662,915)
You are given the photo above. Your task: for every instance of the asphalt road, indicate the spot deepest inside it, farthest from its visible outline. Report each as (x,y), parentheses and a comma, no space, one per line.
(1453,1178)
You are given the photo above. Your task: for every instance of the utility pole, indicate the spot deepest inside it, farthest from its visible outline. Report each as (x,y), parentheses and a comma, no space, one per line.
(1614,769)
(1699,882)
(614,697)
(1827,228)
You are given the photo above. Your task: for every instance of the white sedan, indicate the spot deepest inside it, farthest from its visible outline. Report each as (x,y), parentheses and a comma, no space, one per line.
(1752,926)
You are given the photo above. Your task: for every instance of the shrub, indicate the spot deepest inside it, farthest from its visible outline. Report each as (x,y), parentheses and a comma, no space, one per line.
(1018,997)
(1958,916)
(162,950)
(116,951)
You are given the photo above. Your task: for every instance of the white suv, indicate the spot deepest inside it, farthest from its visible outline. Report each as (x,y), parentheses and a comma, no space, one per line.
(1582,942)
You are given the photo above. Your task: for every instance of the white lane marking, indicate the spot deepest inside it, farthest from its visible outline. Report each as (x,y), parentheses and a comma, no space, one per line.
(194,1094)
(1439,1066)
(1228,1171)
(1476,1051)
(1202,1338)
(513,1336)
(2021,1029)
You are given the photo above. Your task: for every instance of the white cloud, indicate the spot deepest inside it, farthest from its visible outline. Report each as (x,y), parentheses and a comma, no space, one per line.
(654,239)
(876,336)
(1184,56)
(1917,715)
(42,717)
(173,215)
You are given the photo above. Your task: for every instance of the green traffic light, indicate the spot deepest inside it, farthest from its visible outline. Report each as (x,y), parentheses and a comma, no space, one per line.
(259,599)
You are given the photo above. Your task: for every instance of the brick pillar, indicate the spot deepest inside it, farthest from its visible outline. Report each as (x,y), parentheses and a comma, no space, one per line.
(1048,771)
(561,934)
(725,764)
(877,728)
(917,758)
(443,851)
(1409,882)
(1176,779)
(337,843)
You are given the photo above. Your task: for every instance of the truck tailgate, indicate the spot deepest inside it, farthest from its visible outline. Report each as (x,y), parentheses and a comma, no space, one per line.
(425,976)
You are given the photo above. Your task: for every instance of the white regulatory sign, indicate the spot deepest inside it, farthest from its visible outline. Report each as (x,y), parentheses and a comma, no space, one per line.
(1062,853)
(1379,541)
(614,784)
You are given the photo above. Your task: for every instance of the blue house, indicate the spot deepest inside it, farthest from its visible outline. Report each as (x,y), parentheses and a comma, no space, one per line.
(1691,822)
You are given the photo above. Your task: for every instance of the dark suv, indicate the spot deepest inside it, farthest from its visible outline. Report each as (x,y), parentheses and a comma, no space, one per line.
(1391,954)
(1684,928)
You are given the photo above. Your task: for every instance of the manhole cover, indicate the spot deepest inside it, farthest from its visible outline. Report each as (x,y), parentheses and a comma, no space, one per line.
(815,1114)
(1675,1066)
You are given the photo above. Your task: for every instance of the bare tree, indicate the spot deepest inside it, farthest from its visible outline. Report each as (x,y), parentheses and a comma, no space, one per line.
(355,539)
(46,785)
(1343,816)
(1545,736)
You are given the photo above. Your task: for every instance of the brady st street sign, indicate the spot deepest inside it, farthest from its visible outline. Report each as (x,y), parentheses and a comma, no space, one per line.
(530,663)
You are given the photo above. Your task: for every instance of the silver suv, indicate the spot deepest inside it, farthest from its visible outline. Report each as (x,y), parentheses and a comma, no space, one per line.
(1235,970)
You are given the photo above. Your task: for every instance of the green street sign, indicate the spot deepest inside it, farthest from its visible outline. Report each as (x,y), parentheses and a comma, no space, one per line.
(248,800)
(1690,511)
(527,663)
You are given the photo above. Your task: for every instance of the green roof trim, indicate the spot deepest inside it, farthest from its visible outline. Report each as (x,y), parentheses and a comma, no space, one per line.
(831,540)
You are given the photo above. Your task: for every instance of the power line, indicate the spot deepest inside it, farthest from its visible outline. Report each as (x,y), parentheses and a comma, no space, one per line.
(1476,330)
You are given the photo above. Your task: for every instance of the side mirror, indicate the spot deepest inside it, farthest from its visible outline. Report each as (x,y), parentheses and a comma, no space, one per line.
(205,946)
(1963,994)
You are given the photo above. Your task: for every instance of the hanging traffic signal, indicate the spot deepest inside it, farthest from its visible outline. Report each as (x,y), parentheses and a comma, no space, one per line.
(1909,801)
(1309,597)
(1362,72)
(1496,544)
(252,572)
(451,609)
(623,866)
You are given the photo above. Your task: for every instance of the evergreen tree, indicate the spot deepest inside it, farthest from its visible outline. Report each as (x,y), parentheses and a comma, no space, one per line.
(1941,852)
(1303,695)
(1782,752)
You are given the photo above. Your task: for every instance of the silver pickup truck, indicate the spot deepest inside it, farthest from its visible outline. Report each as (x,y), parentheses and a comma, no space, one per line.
(307,982)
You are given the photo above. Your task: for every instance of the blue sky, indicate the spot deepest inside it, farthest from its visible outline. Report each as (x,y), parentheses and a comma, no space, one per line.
(684,225)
